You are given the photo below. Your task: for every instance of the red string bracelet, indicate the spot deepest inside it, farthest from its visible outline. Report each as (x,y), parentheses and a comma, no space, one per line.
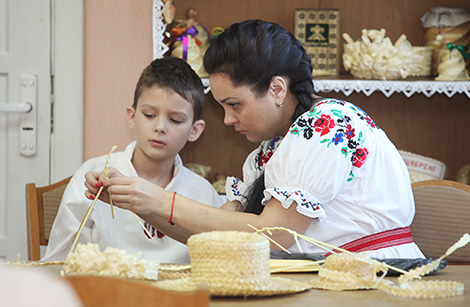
(172,207)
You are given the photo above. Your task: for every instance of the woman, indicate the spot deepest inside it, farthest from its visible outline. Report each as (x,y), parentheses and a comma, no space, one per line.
(323,169)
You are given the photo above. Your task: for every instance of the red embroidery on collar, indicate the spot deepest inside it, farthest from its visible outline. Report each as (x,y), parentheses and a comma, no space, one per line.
(153,231)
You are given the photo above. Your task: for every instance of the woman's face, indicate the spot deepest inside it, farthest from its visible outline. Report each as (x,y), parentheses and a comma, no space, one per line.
(258,118)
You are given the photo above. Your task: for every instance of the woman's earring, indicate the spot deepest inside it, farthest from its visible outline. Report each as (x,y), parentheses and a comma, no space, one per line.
(280,104)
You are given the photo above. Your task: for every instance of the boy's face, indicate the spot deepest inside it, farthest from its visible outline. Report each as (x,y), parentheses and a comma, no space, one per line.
(162,123)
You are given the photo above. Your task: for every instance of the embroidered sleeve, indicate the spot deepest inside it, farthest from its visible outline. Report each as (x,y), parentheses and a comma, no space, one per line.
(321,153)
(235,190)
(307,204)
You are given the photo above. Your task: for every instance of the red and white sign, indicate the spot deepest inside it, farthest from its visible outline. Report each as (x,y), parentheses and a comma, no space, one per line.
(424,165)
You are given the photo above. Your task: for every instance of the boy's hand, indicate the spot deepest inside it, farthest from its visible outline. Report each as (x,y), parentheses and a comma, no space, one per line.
(95,180)
(93,184)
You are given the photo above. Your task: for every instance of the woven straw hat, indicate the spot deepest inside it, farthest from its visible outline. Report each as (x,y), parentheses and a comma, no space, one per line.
(232,263)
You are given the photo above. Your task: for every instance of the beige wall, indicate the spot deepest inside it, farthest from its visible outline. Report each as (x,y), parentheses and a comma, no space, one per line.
(118,45)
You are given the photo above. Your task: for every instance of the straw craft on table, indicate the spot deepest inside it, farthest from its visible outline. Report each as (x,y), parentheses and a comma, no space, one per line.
(293,265)
(350,271)
(174,271)
(232,263)
(87,259)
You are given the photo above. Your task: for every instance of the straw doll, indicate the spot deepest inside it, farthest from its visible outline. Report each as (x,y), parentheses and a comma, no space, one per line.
(452,66)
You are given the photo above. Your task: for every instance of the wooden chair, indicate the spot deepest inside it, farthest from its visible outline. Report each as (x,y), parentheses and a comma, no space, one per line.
(42,204)
(442,217)
(117,292)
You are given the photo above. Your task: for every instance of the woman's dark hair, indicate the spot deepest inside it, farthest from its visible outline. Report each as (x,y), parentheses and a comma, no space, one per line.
(252,53)
(255,196)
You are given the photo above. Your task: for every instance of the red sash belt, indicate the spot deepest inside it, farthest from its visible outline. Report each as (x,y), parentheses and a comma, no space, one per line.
(388,238)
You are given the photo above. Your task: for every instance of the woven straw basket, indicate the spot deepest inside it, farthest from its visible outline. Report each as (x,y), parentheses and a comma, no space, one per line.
(232,263)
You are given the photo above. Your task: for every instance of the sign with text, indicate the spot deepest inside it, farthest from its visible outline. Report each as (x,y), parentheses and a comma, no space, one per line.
(423,165)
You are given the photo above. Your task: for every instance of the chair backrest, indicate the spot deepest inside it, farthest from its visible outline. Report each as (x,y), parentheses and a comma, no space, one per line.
(442,217)
(109,291)
(42,204)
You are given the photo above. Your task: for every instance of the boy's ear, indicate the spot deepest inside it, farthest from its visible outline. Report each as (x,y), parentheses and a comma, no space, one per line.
(196,130)
(131,117)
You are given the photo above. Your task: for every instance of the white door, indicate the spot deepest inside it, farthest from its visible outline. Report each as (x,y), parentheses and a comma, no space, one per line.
(41,44)
(25,79)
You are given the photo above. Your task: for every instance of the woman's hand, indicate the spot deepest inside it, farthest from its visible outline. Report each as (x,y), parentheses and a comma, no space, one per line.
(136,194)
(131,193)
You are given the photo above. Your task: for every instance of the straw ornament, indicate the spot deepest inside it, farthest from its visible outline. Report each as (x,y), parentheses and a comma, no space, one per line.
(87,259)
(453,66)
(374,56)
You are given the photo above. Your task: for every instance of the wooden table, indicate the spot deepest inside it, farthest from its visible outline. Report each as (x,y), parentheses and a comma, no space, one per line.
(314,297)
(358,297)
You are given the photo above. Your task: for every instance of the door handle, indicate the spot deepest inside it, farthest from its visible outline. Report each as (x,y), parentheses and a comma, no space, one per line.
(28,126)
(16,107)
(28,120)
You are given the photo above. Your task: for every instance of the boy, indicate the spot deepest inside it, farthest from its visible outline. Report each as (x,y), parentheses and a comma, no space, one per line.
(168,103)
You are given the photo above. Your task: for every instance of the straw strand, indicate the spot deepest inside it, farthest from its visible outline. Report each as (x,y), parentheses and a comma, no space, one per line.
(270,239)
(328,247)
(77,235)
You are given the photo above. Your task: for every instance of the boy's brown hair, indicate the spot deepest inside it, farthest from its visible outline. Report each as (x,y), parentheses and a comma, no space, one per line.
(176,75)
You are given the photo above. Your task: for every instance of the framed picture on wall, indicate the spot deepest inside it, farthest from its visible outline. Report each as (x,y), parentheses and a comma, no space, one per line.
(319,32)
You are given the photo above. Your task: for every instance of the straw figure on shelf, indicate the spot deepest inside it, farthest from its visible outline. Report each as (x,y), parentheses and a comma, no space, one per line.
(452,66)
(192,41)
(375,57)
(445,25)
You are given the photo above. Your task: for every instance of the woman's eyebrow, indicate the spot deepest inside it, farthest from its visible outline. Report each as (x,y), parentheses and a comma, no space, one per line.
(225,99)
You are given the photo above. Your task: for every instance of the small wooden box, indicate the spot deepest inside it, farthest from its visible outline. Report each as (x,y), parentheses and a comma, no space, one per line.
(319,33)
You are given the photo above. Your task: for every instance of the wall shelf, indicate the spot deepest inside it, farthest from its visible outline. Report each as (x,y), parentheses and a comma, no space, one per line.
(388,88)
(346,86)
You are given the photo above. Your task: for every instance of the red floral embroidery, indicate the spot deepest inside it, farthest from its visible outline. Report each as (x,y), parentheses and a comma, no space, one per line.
(266,153)
(346,137)
(370,121)
(265,157)
(360,156)
(350,132)
(324,124)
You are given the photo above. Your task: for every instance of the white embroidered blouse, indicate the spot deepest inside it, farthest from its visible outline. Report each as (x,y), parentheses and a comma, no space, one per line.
(340,169)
